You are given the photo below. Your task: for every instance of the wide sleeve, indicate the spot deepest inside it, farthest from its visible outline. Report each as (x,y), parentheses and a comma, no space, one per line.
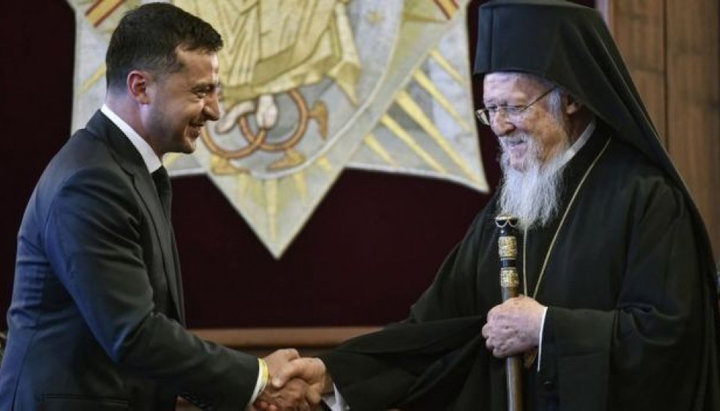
(424,361)
(650,351)
(454,291)
(92,239)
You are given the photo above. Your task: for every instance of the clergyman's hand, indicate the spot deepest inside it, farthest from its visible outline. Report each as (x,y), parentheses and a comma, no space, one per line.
(513,327)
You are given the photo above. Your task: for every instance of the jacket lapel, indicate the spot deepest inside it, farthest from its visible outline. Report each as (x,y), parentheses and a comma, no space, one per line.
(131,161)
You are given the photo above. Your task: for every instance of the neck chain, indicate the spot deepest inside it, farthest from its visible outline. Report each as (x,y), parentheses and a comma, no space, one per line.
(557,231)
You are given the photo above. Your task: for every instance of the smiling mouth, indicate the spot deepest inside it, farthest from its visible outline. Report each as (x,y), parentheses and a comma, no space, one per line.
(512,142)
(195,130)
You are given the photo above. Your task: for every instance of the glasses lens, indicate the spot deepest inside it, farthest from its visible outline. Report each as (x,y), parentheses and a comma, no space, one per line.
(483,116)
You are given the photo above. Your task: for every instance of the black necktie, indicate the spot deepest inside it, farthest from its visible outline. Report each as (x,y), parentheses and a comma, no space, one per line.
(162,185)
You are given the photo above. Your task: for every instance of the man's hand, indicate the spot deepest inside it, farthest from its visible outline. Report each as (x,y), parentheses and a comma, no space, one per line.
(292,394)
(513,327)
(312,371)
(278,359)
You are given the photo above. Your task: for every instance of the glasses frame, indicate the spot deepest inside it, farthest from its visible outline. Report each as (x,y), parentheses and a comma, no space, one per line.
(485,114)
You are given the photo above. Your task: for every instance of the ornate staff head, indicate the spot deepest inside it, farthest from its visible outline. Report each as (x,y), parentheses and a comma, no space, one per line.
(507,248)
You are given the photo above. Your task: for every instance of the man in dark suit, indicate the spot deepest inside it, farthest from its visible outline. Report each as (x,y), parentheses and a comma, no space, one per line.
(96,320)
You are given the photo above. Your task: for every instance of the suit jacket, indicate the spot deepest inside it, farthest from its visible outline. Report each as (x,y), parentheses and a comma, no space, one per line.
(96,319)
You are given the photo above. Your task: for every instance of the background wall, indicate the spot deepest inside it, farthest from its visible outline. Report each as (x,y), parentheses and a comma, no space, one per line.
(673,51)
(375,242)
(369,250)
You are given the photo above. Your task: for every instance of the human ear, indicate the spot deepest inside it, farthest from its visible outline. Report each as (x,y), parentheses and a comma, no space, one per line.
(138,85)
(571,104)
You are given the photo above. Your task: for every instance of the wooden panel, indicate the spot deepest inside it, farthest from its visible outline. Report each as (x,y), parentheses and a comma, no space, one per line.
(638,27)
(671,49)
(693,99)
(270,338)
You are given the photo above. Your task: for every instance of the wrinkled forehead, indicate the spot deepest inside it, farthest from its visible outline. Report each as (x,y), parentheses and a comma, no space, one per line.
(504,85)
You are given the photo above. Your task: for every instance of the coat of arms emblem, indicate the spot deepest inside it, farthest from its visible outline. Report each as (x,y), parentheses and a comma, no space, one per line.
(310,87)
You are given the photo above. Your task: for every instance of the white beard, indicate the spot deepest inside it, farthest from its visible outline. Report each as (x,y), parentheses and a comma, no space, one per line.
(532,195)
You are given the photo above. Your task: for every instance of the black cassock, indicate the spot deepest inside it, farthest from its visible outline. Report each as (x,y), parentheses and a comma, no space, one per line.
(631,323)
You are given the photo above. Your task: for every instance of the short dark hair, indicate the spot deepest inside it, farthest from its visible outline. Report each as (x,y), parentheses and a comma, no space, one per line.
(147,37)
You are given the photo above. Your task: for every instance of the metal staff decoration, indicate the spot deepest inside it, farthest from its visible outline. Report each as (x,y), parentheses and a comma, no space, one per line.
(509,281)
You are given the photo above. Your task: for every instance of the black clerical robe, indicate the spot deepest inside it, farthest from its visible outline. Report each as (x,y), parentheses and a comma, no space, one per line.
(631,321)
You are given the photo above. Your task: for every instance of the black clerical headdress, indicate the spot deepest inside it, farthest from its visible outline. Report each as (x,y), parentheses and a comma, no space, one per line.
(570,46)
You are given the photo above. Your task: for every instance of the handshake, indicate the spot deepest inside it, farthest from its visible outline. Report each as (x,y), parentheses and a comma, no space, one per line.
(294,383)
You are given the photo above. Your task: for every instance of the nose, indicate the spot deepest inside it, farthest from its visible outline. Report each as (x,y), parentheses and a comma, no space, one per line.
(212,107)
(501,124)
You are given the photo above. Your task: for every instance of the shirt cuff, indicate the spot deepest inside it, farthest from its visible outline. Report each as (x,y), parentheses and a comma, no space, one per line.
(542,327)
(262,380)
(335,401)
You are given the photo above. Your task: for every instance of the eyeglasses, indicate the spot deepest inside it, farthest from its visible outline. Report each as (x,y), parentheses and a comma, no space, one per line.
(485,115)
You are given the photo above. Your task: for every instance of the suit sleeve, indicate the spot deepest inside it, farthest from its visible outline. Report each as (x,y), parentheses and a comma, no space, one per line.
(93,240)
